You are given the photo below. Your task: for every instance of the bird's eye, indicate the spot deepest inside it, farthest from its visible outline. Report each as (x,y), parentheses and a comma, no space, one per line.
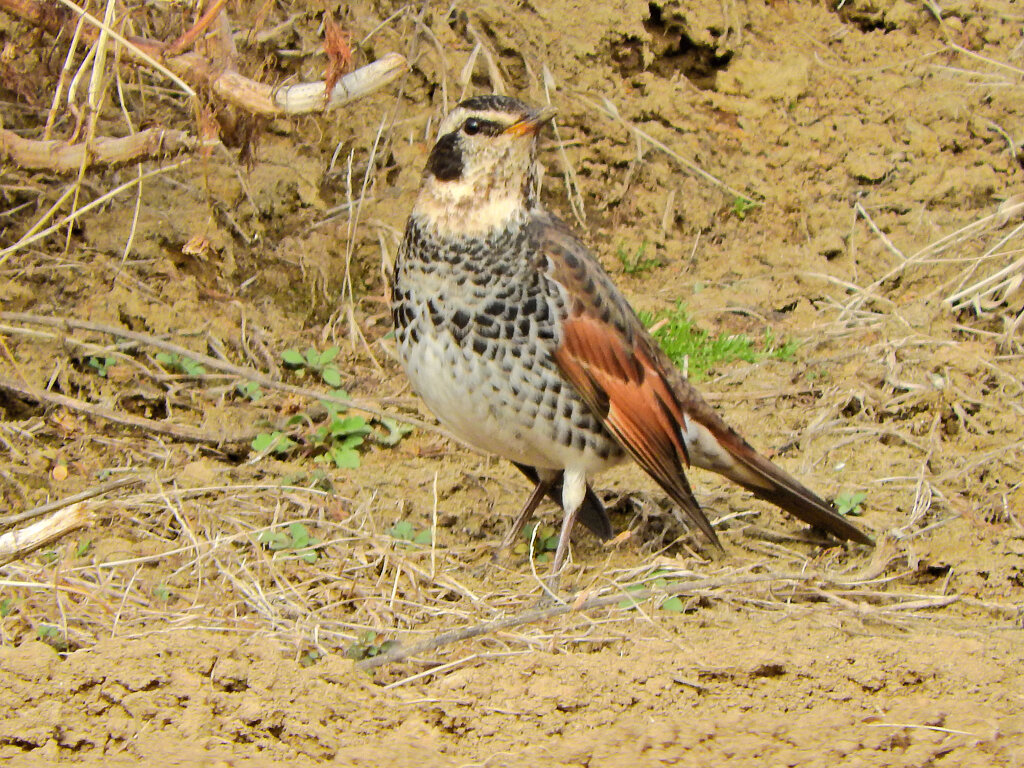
(472,126)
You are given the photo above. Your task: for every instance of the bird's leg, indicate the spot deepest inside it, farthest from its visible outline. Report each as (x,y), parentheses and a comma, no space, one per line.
(563,548)
(574,490)
(539,490)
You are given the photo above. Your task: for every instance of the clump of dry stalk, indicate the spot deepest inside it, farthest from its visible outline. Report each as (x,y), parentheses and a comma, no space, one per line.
(203,57)
(198,564)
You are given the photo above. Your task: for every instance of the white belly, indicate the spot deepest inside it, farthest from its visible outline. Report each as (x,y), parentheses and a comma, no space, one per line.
(490,408)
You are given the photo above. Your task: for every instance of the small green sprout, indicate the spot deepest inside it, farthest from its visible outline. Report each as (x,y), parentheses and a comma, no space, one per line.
(367,646)
(341,436)
(250,390)
(309,658)
(657,580)
(172,361)
(335,440)
(544,542)
(162,593)
(849,503)
(741,206)
(404,532)
(396,430)
(52,636)
(272,442)
(673,605)
(635,264)
(312,360)
(295,538)
(102,364)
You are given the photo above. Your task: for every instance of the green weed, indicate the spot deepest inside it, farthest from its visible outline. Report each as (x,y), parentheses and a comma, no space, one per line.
(162,593)
(340,436)
(295,538)
(176,363)
(396,430)
(544,543)
(335,440)
(635,264)
(250,390)
(849,503)
(318,362)
(367,646)
(102,364)
(741,206)
(52,636)
(273,442)
(404,531)
(687,344)
(656,580)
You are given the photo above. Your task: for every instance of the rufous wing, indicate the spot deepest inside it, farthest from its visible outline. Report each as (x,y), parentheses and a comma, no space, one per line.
(633,403)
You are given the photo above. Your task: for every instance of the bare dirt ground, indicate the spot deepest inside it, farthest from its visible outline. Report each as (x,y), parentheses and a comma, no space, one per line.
(883,148)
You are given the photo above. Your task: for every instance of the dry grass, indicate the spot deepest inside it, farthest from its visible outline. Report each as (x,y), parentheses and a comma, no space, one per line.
(203,545)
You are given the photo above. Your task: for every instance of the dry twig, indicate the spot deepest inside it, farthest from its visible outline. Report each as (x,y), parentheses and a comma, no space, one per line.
(15,544)
(62,157)
(44,509)
(543,614)
(249,374)
(176,431)
(228,84)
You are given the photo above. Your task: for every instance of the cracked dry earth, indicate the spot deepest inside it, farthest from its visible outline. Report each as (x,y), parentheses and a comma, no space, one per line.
(870,135)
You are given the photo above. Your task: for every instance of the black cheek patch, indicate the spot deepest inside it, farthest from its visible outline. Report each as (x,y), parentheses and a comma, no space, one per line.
(445,161)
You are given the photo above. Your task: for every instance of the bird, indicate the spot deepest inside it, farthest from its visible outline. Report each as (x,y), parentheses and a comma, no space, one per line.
(518,341)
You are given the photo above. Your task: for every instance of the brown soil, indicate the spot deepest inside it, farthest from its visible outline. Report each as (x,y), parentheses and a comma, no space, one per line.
(168,633)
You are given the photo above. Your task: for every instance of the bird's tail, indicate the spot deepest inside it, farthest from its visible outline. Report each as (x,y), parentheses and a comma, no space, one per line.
(767,481)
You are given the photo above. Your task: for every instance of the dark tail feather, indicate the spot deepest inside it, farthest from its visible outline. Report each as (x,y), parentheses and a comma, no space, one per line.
(592,513)
(787,493)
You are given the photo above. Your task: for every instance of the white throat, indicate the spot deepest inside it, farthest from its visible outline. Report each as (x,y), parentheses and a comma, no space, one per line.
(466,206)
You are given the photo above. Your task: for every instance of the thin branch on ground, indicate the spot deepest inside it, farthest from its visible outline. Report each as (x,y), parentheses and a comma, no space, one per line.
(62,157)
(543,614)
(178,432)
(44,509)
(248,374)
(15,544)
(190,70)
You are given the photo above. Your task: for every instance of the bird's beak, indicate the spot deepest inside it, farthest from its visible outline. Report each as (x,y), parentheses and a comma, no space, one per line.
(532,123)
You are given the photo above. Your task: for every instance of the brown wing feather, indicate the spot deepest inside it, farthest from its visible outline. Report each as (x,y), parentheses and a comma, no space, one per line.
(616,384)
(647,404)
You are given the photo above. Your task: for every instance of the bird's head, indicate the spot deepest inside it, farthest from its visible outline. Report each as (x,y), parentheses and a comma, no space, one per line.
(483,168)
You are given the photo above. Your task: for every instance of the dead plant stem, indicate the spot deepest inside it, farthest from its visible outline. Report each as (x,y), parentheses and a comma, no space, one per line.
(249,374)
(543,614)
